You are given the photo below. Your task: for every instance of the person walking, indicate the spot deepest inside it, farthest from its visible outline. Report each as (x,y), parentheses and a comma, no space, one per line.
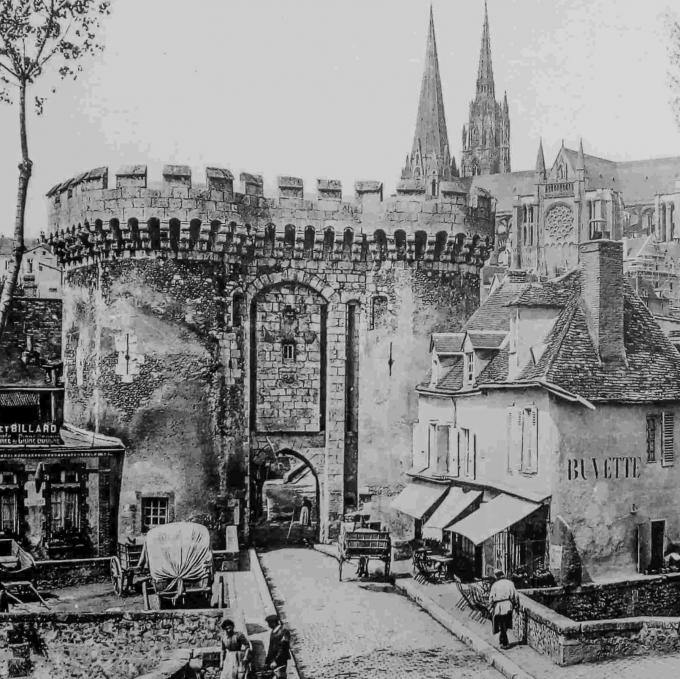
(236,652)
(502,599)
(278,654)
(306,512)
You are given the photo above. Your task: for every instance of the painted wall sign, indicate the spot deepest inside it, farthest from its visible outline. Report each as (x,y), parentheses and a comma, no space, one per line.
(29,434)
(593,468)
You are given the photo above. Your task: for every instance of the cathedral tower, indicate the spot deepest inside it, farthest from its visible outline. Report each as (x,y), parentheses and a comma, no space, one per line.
(486,139)
(430,160)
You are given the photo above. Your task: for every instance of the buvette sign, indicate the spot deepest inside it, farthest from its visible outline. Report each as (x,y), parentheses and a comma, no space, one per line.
(594,468)
(29,434)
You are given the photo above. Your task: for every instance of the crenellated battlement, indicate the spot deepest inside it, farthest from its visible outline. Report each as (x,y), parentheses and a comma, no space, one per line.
(90,220)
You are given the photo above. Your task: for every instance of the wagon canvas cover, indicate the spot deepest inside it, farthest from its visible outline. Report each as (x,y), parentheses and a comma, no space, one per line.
(177,551)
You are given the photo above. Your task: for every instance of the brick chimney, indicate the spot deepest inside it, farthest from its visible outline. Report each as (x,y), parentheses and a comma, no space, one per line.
(602,293)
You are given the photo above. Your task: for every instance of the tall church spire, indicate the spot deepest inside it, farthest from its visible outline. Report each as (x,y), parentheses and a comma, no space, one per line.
(430,157)
(485,84)
(486,139)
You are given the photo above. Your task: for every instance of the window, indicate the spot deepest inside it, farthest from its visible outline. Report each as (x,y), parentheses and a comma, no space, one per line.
(470,366)
(288,351)
(653,438)
(522,439)
(154,512)
(9,515)
(668,442)
(443,443)
(64,503)
(236,304)
(453,467)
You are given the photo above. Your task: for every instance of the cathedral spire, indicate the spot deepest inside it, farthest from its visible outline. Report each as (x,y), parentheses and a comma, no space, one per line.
(540,162)
(485,84)
(430,155)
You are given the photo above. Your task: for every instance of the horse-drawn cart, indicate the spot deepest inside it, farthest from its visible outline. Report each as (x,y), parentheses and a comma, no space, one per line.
(124,565)
(364,544)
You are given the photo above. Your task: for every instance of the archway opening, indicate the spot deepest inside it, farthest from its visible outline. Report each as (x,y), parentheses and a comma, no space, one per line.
(284,499)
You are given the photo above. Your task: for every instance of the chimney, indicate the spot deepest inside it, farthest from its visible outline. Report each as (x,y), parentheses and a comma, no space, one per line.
(602,293)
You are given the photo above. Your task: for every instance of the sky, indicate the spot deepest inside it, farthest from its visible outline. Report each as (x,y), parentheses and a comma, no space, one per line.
(329,88)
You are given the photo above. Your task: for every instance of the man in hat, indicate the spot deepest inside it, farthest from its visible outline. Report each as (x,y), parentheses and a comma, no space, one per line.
(279,647)
(502,598)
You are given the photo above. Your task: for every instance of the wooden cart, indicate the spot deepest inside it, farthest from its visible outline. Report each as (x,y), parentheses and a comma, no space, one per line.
(124,565)
(364,543)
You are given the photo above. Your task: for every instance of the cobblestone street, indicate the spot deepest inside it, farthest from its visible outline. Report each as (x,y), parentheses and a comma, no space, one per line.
(344,630)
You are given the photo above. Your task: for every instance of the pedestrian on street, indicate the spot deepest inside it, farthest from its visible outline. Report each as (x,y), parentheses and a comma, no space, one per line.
(306,512)
(502,599)
(236,652)
(279,647)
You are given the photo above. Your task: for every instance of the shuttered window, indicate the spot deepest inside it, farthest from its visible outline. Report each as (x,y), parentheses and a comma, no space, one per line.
(442,448)
(651,438)
(530,440)
(514,438)
(431,444)
(668,442)
(454,451)
(419,446)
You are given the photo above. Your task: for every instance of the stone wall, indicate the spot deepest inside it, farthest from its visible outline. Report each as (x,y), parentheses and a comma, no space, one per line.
(51,575)
(102,645)
(176,309)
(644,596)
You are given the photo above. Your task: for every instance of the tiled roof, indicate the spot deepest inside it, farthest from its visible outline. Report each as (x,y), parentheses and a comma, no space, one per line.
(453,379)
(447,342)
(555,293)
(567,357)
(494,314)
(487,340)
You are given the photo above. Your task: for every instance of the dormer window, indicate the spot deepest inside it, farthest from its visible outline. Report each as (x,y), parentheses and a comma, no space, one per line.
(470,366)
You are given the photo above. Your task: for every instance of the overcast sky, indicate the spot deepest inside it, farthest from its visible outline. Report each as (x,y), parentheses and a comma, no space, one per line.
(315,88)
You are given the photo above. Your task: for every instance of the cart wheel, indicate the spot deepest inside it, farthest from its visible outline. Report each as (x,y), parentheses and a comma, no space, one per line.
(145,595)
(116,575)
(340,569)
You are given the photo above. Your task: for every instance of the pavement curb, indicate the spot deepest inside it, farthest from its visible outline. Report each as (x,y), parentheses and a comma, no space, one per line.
(267,600)
(492,655)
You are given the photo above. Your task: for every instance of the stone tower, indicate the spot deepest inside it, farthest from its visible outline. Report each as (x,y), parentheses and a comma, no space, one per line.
(430,161)
(212,328)
(486,139)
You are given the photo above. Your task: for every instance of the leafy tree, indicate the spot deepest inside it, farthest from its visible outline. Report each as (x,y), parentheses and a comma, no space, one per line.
(36,35)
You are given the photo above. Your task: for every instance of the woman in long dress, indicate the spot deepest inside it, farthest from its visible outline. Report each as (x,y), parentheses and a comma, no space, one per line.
(236,652)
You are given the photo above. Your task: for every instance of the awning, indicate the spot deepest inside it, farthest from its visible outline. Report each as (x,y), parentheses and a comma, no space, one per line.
(493,517)
(418,498)
(454,504)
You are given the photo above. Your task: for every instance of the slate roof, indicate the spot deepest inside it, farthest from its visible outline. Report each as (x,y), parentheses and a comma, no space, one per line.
(446,342)
(567,356)
(486,340)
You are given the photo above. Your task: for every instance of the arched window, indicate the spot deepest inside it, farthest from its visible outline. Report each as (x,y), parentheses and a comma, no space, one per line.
(420,244)
(400,243)
(289,236)
(310,235)
(194,233)
(269,239)
(154,227)
(364,247)
(214,231)
(133,226)
(116,234)
(174,228)
(236,309)
(440,244)
(347,242)
(380,241)
(328,241)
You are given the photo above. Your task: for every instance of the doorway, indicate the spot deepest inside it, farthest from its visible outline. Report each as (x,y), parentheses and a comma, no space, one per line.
(658,531)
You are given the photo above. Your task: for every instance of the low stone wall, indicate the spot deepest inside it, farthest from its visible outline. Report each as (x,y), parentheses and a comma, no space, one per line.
(568,642)
(637,596)
(103,645)
(60,573)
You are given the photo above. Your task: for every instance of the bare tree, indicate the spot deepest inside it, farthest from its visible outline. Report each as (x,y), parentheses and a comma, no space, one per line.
(36,35)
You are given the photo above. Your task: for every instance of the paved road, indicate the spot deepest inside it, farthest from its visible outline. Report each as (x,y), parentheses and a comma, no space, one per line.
(345,631)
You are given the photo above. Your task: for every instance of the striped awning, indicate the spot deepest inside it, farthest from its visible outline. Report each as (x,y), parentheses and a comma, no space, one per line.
(12,399)
(454,504)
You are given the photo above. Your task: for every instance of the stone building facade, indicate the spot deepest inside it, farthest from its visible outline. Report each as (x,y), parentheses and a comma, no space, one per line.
(210,329)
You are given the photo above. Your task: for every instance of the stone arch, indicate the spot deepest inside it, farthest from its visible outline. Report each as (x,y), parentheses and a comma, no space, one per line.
(116,234)
(133,226)
(400,243)
(420,244)
(289,236)
(174,228)
(194,233)
(292,276)
(347,243)
(380,241)
(328,241)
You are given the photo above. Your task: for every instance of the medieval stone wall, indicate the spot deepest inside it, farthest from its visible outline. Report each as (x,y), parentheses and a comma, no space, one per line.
(180,300)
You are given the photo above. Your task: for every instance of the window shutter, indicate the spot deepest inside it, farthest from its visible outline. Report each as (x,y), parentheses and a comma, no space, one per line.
(530,440)
(514,426)
(454,451)
(668,442)
(474,456)
(442,448)
(419,446)
(431,444)
(651,438)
